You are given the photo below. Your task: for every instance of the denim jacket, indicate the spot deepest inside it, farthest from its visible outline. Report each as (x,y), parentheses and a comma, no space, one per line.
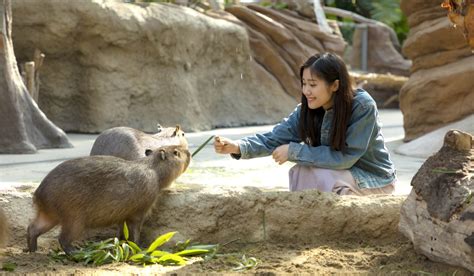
(365,156)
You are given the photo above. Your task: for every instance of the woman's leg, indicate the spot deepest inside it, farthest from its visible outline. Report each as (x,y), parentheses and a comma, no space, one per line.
(388,190)
(324,180)
(340,182)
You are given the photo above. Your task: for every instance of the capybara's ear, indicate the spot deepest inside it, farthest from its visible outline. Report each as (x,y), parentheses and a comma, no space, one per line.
(176,131)
(148,152)
(162,154)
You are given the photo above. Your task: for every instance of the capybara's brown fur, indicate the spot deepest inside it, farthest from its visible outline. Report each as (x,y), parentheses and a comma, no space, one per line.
(131,144)
(99,191)
(3,228)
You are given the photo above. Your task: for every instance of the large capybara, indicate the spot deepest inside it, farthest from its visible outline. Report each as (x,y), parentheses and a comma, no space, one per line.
(3,228)
(99,191)
(131,144)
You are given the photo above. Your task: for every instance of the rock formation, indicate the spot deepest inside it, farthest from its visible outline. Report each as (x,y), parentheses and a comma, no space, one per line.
(440,87)
(438,215)
(282,40)
(110,63)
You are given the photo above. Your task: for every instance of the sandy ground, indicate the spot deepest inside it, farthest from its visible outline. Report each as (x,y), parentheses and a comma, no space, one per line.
(373,257)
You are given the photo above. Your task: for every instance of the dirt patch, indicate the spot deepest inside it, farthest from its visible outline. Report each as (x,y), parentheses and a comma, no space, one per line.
(298,248)
(356,256)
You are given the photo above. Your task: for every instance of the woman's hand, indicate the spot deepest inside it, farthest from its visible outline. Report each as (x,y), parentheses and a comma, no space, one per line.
(280,154)
(226,146)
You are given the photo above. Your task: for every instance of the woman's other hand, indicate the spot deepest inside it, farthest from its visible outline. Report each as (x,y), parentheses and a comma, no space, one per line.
(226,146)
(280,154)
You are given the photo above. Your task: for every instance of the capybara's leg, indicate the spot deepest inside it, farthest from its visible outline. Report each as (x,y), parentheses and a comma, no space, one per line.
(39,226)
(134,227)
(120,234)
(3,228)
(70,231)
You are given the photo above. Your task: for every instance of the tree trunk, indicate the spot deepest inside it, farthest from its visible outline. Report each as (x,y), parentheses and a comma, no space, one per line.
(24,126)
(321,17)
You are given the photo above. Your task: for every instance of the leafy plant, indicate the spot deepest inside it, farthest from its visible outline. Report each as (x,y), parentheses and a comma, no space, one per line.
(9,267)
(386,11)
(245,263)
(115,250)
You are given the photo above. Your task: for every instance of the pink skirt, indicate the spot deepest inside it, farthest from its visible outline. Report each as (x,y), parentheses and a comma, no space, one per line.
(325,180)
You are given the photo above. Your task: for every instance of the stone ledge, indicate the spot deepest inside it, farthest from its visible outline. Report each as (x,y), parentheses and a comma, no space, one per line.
(220,215)
(253,215)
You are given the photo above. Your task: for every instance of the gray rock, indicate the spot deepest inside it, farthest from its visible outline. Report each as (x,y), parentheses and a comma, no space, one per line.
(110,63)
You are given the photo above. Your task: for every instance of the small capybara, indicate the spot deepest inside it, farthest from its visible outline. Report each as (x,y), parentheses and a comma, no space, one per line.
(131,144)
(3,228)
(100,191)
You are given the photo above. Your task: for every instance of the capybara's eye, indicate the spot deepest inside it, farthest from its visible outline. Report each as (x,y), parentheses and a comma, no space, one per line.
(177,153)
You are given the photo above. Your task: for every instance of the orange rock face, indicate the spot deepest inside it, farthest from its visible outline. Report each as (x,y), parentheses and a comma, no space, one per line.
(461,14)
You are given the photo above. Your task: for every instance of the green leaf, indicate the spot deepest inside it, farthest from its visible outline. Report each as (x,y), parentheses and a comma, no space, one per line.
(245,263)
(126,251)
(182,245)
(99,257)
(445,170)
(160,241)
(192,252)
(108,258)
(158,253)
(135,248)
(173,258)
(118,256)
(204,246)
(8,267)
(125,230)
(137,257)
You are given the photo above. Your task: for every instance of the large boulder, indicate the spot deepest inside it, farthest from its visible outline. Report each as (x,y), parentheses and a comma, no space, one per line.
(439,90)
(110,63)
(438,215)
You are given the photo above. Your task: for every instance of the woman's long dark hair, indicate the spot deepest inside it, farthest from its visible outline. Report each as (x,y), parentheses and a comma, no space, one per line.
(328,67)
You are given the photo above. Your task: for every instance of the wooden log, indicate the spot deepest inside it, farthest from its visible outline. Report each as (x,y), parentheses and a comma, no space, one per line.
(30,79)
(38,59)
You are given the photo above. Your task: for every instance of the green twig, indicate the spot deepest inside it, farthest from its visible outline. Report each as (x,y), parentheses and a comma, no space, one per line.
(202,146)
(445,170)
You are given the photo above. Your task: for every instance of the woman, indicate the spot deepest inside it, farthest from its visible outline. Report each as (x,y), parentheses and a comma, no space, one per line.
(333,136)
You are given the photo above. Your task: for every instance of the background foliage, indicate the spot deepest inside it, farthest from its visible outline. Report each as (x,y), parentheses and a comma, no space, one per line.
(386,11)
